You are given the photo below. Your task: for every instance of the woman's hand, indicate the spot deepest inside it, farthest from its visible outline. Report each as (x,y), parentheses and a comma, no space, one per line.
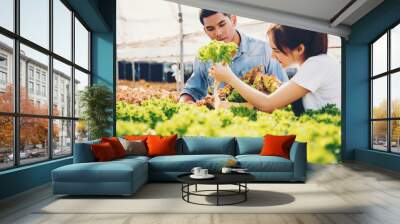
(222,73)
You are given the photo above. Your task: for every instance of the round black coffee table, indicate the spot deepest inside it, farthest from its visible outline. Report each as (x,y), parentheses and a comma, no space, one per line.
(238,179)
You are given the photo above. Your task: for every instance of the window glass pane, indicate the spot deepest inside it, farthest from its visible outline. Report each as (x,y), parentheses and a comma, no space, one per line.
(6,142)
(379,97)
(7,14)
(62,29)
(81,45)
(81,131)
(395,47)
(81,81)
(395,136)
(395,94)
(379,55)
(35,21)
(33,139)
(62,138)
(62,89)
(379,135)
(34,72)
(6,74)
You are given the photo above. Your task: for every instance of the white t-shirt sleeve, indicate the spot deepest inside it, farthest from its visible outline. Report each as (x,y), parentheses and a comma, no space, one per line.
(309,75)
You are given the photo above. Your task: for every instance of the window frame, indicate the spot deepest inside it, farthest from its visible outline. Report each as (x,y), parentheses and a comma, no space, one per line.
(388,74)
(16,114)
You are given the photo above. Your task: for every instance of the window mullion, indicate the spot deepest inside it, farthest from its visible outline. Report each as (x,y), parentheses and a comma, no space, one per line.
(371,142)
(73,82)
(389,104)
(50,81)
(89,55)
(16,85)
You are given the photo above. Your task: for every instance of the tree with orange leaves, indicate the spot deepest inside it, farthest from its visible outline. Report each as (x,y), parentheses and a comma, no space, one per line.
(33,131)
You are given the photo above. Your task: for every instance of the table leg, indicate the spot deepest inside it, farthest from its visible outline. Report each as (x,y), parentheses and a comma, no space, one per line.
(217,194)
(182,190)
(188,190)
(245,193)
(196,188)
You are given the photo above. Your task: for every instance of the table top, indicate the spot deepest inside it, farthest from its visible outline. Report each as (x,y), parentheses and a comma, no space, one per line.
(220,178)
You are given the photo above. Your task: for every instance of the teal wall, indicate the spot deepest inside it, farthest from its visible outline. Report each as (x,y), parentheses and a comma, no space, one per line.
(104,52)
(24,178)
(103,65)
(100,17)
(356,73)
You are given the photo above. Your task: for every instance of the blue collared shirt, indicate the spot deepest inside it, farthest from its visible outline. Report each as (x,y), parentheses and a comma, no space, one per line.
(252,52)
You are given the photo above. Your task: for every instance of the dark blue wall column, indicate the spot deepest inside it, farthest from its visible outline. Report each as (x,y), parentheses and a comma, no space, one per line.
(357,100)
(104,52)
(103,63)
(356,118)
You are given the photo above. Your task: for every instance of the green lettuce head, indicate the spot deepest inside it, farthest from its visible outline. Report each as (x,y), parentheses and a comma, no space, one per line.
(217,52)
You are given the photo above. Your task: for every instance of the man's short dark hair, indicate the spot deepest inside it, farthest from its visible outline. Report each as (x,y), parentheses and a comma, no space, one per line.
(206,13)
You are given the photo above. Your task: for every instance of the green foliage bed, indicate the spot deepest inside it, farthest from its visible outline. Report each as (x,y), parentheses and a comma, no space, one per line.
(320,129)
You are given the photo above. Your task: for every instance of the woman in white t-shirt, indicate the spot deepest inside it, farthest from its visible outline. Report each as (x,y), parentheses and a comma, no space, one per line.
(317,80)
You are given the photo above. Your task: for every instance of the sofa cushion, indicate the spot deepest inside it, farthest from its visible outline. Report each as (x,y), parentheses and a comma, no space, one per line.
(249,145)
(133,158)
(257,163)
(185,163)
(208,145)
(112,171)
(93,172)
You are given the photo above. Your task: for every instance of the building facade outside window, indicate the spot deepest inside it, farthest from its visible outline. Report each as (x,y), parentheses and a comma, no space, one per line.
(3,78)
(30,72)
(30,87)
(36,91)
(3,72)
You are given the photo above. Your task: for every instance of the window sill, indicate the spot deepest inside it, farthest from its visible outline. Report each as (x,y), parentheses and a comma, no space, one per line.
(30,166)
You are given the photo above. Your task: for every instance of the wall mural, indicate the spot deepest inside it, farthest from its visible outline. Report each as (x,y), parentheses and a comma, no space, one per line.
(231,76)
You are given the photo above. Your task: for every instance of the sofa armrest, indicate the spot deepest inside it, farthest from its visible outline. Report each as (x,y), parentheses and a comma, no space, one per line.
(83,152)
(298,155)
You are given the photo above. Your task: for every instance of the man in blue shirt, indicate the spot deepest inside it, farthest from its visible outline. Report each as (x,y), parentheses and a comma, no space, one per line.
(252,52)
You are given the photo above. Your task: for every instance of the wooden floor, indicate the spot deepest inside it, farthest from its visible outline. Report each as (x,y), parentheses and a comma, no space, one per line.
(378,188)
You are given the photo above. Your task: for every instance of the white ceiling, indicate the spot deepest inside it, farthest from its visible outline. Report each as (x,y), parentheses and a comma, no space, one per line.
(140,21)
(321,9)
(149,30)
(317,15)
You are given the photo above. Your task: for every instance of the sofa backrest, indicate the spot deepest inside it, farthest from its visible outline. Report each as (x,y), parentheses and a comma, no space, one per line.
(249,145)
(83,152)
(191,145)
(194,145)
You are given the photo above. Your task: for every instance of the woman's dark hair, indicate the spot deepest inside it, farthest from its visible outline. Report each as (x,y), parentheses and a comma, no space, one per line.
(286,37)
(206,13)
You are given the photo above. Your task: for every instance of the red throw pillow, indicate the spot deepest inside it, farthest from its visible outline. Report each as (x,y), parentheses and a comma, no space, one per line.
(103,151)
(116,145)
(159,146)
(277,145)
